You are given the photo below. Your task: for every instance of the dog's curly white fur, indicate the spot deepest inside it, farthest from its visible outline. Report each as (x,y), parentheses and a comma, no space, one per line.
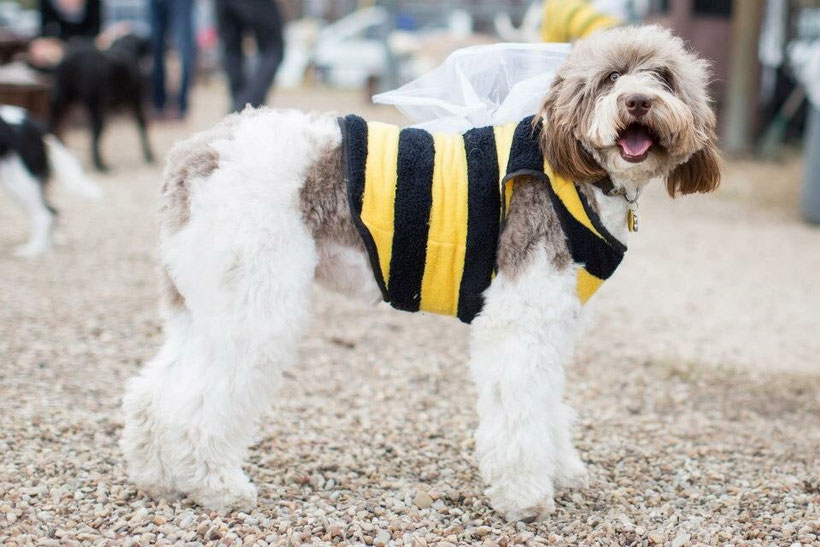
(254,210)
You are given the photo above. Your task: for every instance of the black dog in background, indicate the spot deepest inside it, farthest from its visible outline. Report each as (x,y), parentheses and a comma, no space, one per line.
(104,81)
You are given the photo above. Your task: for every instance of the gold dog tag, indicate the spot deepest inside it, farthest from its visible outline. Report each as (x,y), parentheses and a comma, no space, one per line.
(632,218)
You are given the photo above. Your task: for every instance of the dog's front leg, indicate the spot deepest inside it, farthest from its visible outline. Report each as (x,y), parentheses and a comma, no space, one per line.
(519,345)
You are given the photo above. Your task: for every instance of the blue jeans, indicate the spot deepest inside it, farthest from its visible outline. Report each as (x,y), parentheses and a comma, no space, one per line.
(176,16)
(262,19)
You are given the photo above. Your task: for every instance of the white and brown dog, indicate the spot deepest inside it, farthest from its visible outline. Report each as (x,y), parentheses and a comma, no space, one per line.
(258,207)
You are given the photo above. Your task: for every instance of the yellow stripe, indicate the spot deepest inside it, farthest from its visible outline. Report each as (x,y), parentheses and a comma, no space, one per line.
(587,285)
(600,24)
(552,27)
(590,17)
(380,189)
(569,20)
(568,194)
(556,17)
(447,237)
(503,143)
(582,15)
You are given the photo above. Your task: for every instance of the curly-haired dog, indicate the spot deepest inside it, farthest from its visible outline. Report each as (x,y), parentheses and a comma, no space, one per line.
(257,208)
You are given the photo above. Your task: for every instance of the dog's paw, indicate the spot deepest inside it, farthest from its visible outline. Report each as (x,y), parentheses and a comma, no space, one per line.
(30,250)
(571,472)
(233,492)
(522,504)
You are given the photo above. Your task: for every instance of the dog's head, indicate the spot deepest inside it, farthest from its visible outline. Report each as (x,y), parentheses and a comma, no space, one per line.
(632,103)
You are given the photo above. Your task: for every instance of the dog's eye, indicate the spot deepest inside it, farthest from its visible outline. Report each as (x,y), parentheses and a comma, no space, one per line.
(667,78)
(614,76)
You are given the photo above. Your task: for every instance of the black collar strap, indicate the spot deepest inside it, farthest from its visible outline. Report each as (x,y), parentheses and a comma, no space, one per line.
(608,187)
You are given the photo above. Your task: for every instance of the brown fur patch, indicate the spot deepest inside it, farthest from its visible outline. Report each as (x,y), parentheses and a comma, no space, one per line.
(562,148)
(170,293)
(323,201)
(532,224)
(701,173)
(188,160)
(175,207)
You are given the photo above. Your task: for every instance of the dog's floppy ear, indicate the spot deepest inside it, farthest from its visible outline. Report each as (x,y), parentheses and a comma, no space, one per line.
(562,150)
(701,173)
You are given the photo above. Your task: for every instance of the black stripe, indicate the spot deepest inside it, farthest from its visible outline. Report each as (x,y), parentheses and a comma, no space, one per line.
(596,222)
(411,223)
(597,255)
(483,206)
(526,157)
(354,145)
(525,150)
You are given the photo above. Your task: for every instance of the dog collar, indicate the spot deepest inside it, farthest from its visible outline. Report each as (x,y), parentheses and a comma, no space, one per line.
(609,189)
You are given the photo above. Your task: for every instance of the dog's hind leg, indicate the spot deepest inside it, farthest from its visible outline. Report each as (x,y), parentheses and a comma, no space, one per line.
(239,290)
(142,126)
(519,345)
(57,111)
(97,119)
(29,191)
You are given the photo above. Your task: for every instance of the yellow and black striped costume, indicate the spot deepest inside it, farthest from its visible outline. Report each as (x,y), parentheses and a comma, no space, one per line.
(430,208)
(570,20)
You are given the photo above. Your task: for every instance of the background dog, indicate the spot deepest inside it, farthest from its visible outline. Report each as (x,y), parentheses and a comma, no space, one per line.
(102,81)
(28,158)
(255,209)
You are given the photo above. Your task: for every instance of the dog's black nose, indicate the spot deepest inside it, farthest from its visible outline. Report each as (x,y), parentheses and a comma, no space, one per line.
(638,105)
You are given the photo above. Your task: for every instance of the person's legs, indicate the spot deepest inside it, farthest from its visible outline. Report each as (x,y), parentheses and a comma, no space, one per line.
(159,28)
(230,33)
(267,27)
(182,13)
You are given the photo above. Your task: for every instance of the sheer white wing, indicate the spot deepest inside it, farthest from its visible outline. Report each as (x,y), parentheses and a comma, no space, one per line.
(479,86)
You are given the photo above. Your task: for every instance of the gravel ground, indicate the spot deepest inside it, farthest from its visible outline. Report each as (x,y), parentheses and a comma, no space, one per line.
(696,386)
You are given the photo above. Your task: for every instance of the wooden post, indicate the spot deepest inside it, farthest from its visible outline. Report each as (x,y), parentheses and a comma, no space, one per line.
(743,75)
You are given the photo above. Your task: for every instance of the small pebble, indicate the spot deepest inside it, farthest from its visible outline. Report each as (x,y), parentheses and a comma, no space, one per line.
(422,500)
(681,541)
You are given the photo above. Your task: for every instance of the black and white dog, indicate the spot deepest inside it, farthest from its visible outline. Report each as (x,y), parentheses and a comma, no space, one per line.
(102,81)
(28,158)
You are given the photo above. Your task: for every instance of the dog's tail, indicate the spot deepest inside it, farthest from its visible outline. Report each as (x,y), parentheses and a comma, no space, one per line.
(68,171)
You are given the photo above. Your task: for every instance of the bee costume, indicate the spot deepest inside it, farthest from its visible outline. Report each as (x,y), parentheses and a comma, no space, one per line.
(430,207)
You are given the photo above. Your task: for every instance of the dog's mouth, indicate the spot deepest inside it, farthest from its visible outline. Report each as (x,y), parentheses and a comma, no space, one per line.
(635,142)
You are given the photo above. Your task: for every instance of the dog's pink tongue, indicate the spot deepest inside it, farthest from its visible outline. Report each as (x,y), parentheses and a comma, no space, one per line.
(635,141)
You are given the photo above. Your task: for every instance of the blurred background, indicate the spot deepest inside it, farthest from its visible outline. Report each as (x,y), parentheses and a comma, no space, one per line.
(761,49)
(697,384)
(764,52)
